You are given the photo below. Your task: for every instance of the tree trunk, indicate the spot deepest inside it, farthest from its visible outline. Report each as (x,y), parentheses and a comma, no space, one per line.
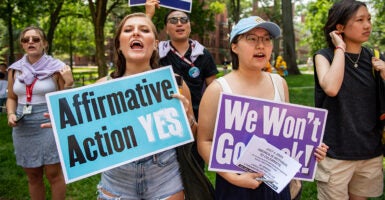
(11,57)
(99,14)
(71,50)
(235,10)
(54,21)
(289,53)
(100,58)
(276,47)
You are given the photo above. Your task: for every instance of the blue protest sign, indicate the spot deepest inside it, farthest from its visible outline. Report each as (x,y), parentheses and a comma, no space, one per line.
(183,5)
(105,125)
(296,130)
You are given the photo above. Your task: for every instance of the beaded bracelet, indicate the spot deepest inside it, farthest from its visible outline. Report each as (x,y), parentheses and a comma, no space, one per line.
(338,47)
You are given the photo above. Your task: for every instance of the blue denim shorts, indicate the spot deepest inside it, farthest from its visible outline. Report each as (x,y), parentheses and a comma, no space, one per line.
(155,177)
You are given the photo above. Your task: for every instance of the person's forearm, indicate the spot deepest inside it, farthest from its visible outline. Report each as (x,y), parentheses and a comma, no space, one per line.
(11,105)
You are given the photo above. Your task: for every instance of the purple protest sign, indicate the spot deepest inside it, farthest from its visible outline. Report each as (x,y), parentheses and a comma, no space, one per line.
(297,130)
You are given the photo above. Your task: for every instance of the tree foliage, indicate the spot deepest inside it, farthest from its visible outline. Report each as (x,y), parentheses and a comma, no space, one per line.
(83,28)
(316,16)
(69,20)
(3,48)
(17,14)
(377,38)
(53,9)
(217,7)
(203,18)
(238,9)
(74,35)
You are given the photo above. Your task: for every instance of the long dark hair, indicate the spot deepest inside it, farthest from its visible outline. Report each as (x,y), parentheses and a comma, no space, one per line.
(119,59)
(340,13)
(234,56)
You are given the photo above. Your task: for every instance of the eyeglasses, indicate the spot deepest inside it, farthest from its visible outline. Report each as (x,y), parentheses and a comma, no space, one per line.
(253,39)
(174,20)
(35,39)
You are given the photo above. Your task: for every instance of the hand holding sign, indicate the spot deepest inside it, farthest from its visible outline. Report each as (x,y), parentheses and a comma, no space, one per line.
(182,5)
(97,128)
(294,129)
(260,156)
(151,5)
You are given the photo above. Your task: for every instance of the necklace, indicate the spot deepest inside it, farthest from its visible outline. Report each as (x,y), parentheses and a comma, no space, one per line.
(354,62)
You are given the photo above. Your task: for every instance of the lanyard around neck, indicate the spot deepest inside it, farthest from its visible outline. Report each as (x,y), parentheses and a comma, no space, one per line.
(182,57)
(28,90)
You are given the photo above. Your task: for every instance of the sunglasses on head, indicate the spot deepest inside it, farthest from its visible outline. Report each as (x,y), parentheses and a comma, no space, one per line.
(174,20)
(35,39)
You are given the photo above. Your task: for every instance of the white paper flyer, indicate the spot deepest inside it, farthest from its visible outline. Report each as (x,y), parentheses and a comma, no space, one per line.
(262,157)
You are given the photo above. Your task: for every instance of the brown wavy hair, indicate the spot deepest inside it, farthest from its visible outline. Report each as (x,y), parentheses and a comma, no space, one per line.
(119,59)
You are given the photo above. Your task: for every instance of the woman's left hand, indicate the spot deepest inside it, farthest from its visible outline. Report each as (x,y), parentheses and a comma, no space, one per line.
(66,73)
(320,152)
(48,124)
(379,65)
(185,101)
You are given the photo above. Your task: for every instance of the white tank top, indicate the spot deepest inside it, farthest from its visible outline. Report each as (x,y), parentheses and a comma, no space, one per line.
(39,90)
(274,77)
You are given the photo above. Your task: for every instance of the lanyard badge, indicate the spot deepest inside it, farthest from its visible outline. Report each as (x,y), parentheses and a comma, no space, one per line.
(194,71)
(27,109)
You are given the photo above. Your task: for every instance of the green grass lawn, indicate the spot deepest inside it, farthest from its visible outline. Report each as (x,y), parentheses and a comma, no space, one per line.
(13,182)
(301,89)
(84,75)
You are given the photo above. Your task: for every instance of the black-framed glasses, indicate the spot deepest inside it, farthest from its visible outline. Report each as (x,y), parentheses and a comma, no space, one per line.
(35,39)
(174,20)
(253,39)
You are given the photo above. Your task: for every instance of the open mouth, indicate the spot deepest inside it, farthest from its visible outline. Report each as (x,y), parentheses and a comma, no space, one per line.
(179,30)
(136,44)
(259,55)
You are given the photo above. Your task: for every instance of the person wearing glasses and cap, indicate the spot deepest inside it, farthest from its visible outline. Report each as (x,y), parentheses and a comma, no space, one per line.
(188,57)
(251,48)
(29,79)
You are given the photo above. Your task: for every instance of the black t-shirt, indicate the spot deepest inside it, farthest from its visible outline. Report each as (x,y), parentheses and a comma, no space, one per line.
(352,130)
(206,65)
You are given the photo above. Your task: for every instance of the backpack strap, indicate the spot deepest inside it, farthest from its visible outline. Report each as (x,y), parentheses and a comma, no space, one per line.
(377,55)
